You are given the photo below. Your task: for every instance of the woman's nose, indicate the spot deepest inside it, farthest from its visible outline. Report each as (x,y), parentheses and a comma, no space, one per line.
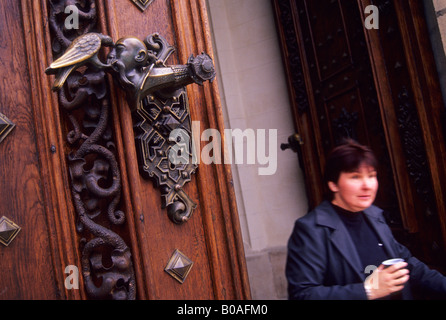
(367,183)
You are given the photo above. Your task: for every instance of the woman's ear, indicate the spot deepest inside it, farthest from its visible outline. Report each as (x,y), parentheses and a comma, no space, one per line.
(333,187)
(141,56)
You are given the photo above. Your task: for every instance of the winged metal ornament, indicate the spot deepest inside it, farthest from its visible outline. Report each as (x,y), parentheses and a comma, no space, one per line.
(82,50)
(158,100)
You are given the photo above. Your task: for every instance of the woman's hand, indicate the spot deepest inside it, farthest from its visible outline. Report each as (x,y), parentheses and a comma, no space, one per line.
(385,281)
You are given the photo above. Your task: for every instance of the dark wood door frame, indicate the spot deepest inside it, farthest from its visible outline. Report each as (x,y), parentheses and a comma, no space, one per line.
(418,106)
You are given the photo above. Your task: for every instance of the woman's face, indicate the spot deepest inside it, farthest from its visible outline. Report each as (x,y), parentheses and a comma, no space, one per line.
(355,191)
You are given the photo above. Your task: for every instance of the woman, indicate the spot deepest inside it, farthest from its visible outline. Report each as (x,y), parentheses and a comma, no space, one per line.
(334,249)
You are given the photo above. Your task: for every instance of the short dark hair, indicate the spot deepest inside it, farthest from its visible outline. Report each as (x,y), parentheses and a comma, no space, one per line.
(348,157)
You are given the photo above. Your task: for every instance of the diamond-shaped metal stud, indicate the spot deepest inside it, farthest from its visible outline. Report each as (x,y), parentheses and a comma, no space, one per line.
(179,266)
(8,231)
(5,126)
(142,4)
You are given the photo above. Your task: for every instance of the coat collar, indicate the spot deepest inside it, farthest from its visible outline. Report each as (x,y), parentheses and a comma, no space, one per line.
(326,216)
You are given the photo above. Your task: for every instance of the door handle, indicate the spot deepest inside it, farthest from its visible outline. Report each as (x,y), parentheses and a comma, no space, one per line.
(295,143)
(157,97)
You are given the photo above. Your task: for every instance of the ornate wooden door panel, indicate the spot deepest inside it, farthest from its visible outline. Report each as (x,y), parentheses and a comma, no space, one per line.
(342,85)
(26,263)
(347,81)
(74,153)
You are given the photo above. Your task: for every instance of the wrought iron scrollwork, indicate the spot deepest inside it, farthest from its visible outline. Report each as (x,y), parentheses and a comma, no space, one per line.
(294,59)
(107,267)
(416,159)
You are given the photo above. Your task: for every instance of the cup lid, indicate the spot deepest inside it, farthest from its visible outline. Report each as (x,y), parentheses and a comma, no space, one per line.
(390,262)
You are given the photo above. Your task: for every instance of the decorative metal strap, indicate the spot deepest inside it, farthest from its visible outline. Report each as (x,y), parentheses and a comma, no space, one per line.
(94,171)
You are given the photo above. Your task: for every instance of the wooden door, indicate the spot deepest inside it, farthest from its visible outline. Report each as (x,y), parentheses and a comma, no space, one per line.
(380,88)
(62,142)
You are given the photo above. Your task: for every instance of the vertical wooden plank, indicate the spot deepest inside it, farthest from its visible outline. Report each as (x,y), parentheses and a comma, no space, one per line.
(389,118)
(299,83)
(223,235)
(429,102)
(49,139)
(29,265)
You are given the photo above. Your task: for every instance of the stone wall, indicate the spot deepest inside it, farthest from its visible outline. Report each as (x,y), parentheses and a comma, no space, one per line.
(436,21)
(254,95)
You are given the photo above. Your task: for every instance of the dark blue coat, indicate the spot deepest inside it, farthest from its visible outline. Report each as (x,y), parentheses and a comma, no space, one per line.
(323,263)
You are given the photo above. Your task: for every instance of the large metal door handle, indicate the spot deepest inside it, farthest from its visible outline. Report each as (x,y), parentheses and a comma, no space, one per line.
(157,98)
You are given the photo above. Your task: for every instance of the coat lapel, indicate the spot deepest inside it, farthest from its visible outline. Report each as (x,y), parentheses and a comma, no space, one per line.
(376,219)
(327,216)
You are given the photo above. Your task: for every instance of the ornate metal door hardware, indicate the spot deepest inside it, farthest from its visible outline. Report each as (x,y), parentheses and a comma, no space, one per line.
(161,115)
(157,97)
(162,129)
(8,231)
(162,123)
(179,266)
(107,266)
(142,4)
(6,127)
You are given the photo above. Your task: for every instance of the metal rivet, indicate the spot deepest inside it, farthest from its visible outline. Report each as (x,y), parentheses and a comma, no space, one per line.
(179,266)
(6,126)
(142,4)
(8,231)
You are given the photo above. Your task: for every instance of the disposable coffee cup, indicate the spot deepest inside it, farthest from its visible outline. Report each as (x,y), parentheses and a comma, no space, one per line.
(391,262)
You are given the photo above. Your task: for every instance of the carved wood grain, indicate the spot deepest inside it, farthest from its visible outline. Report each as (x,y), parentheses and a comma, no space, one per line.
(60,212)
(35,177)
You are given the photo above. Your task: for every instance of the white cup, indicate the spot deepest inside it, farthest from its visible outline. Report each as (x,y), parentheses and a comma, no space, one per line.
(391,262)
